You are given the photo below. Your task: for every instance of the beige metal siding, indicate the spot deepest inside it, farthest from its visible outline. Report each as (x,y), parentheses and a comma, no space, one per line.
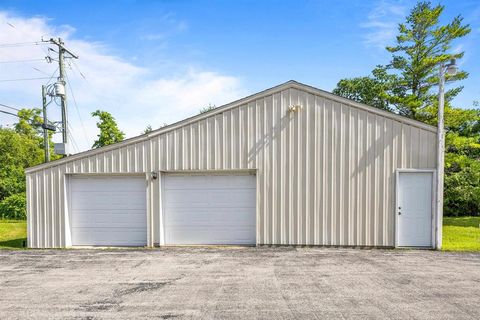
(325,174)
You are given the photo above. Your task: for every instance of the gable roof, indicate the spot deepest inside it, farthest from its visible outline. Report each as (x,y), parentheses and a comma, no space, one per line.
(292,84)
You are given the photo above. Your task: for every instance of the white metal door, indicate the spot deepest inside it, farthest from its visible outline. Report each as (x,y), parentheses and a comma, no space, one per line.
(209,209)
(108,211)
(414,209)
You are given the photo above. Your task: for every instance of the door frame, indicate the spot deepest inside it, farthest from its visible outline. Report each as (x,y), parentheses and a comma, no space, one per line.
(68,201)
(164,173)
(434,217)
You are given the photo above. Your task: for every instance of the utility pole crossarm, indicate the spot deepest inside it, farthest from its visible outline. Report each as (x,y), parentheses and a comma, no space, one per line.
(61,46)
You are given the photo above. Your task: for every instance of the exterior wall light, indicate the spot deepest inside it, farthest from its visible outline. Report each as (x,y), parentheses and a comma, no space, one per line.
(154,175)
(295,108)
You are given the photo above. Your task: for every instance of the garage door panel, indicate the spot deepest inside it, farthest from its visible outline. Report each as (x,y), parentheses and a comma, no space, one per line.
(211,198)
(107,236)
(219,235)
(176,198)
(98,218)
(108,211)
(210,209)
(180,216)
(227,198)
(102,185)
(109,200)
(209,182)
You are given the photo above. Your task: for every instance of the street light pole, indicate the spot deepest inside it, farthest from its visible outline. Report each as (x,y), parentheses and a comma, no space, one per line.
(440,153)
(450,69)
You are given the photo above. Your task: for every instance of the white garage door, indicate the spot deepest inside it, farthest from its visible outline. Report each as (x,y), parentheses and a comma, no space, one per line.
(108,211)
(209,209)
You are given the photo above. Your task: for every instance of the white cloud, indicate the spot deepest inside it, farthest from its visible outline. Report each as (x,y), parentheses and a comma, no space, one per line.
(135,95)
(382,23)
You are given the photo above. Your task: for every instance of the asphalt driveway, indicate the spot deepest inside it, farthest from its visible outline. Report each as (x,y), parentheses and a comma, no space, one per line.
(239,283)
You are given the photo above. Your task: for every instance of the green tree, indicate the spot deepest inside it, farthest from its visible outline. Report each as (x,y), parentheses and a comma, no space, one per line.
(30,124)
(109,131)
(20,148)
(17,152)
(147,129)
(14,207)
(462,185)
(207,108)
(408,85)
(422,45)
(371,90)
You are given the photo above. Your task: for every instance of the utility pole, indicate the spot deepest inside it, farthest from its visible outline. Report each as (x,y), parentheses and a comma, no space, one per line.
(60,89)
(46,145)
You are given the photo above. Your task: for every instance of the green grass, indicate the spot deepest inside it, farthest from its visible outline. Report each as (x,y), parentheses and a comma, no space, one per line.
(461,234)
(12,233)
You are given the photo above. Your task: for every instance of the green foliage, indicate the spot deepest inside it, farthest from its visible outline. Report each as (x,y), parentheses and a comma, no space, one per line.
(109,131)
(29,123)
(370,90)
(147,129)
(20,148)
(408,86)
(405,84)
(422,45)
(14,207)
(17,152)
(207,108)
(462,185)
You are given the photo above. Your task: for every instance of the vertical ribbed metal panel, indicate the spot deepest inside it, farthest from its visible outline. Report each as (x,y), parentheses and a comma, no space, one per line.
(325,174)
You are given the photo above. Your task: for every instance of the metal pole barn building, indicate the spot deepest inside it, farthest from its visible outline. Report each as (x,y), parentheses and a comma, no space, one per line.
(291,165)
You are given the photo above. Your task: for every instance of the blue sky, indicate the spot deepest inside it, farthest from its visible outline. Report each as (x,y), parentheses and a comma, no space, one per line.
(140,57)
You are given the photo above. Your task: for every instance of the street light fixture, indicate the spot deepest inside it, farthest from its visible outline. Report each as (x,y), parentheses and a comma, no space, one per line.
(451,69)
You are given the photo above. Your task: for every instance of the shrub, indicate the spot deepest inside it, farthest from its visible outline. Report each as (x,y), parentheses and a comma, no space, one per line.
(14,207)
(462,186)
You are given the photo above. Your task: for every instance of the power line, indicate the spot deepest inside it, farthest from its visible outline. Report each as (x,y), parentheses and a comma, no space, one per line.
(27,35)
(23,79)
(21,61)
(21,44)
(76,108)
(78,69)
(74,143)
(51,77)
(4,105)
(12,114)
(41,71)
(15,114)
